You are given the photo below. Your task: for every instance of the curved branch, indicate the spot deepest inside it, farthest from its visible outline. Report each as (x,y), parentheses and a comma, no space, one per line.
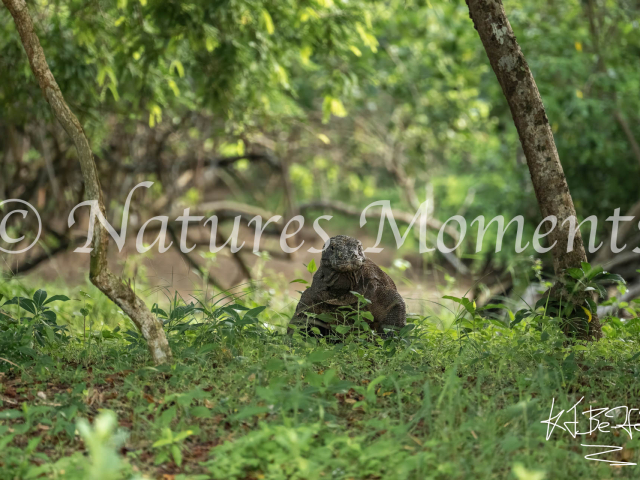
(32,263)
(401,216)
(148,165)
(112,286)
(605,256)
(225,207)
(192,263)
(629,134)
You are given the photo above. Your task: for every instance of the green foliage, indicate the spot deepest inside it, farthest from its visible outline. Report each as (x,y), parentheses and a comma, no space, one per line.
(102,443)
(310,452)
(361,96)
(563,314)
(23,320)
(590,279)
(241,400)
(170,446)
(151,60)
(312,267)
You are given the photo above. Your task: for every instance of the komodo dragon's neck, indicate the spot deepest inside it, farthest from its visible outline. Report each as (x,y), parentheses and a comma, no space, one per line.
(339,285)
(343,279)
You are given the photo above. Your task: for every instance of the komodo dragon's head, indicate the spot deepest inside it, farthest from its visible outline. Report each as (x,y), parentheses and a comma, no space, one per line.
(343,254)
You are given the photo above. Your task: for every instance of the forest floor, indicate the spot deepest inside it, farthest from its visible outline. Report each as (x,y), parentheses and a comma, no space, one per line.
(241,401)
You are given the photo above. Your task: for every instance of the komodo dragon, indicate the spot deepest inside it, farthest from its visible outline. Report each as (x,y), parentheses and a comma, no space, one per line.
(345,269)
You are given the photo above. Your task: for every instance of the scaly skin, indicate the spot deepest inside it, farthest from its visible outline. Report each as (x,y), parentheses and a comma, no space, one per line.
(343,269)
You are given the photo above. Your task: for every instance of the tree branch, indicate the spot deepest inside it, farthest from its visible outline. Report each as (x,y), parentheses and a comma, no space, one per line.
(149,165)
(401,216)
(191,262)
(630,137)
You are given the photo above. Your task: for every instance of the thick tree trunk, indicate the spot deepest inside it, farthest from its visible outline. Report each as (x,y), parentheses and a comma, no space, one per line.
(121,294)
(535,133)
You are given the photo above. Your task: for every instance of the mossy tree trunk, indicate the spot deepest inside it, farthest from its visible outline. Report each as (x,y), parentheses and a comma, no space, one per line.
(536,137)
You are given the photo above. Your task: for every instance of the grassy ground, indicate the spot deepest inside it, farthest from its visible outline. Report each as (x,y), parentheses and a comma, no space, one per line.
(242,401)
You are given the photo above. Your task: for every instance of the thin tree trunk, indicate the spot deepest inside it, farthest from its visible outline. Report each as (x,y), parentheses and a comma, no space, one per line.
(112,286)
(535,133)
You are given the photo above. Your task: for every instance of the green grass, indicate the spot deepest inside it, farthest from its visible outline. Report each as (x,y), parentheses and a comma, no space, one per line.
(241,401)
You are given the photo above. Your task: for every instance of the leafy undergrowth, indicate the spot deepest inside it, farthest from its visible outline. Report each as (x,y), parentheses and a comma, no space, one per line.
(242,401)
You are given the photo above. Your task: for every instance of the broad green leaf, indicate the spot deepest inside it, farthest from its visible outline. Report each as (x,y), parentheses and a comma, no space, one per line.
(406,329)
(10,414)
(319,356)
(465,302)
(177,454)
(375,382)
(324,138)
(24,303)
(39,297)
(168,415)
(200,412)
(326,317)
(274,365)
(268,22)
(575,273)
(249,412)
(162,442)
(49,316)
(491,306)
(594,272)
(254,312)
(609,277)
(56,298)
(50,335)
(311,267)
(337,108)
(209,347)
(182,435)
(367,315)
(178,67)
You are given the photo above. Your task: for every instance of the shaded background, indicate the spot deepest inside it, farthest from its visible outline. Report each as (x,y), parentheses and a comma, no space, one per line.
(316,107)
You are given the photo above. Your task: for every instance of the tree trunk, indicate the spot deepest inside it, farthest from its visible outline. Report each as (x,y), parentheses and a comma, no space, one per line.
(112,286)
(535,133)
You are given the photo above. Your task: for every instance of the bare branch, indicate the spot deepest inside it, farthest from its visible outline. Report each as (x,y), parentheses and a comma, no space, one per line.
(191,261)
(630,137)
(227,208)
(401,216)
